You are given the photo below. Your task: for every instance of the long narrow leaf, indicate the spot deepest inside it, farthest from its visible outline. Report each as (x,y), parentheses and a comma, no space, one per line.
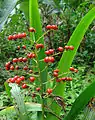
(81,101)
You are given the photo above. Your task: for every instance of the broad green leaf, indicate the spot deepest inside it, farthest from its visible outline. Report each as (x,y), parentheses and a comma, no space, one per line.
(81,102)
(29,106)
(6,7)
(68,56)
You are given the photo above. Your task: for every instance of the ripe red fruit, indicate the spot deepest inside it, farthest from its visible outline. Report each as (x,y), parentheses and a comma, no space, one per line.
(75,70)
(32,30)
(7,64)
(51,59)
(24,86)
(10,37)
(66,47)
(25,68)
(15,60)
(14,36)
(71,47)
(12,80)
(24,47)
(58,80)
(33,55)
(49,90)
(48,27)
(12,67)
(56,70)
(54,27)
(72,69)
(64,78)
(16,77)
(47,52)
(39,46)
(38,89)
(20,59)
(24,59)
(18,81)
(32,79)
(51,51)
(60,49)
(22,78)
(55,74)
(46,59)
(23,34)
(16,67)
(69,79)
(19,35)
(18,47)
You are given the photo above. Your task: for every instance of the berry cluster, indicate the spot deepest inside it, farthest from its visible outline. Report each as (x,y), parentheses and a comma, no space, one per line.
(49,59)
(52,27)
(17,36)
(69,47)
(73,69)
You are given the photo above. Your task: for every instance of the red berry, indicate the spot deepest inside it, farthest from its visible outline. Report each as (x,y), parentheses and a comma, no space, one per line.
(20,59)
(24,47)
(71,47)
(18,81)
(15,60)
(66,47)
(51,59)
(12,67)
(47,52)
(32,30)
(29,55)
(10,37)
(51,51)
(49,90)
(24,86)
(7,64)
(55,74)
(14,36)
(57,70)
(46,59)
(39,46)
(72,69)
(12,80)
(48,27)
(22,78)
(16,77)
(60,49)
(19,35)
(24,59)
(32,79)
(64,78)
(25,68)
(75,70)
(38,89)
(69,79)
(58,80)
(23,34)
(33,55)
(54,27)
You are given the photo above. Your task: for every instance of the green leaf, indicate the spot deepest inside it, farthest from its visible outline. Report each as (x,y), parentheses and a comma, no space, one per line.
(81,102)
(8,88)
(6,8)
(15,91)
